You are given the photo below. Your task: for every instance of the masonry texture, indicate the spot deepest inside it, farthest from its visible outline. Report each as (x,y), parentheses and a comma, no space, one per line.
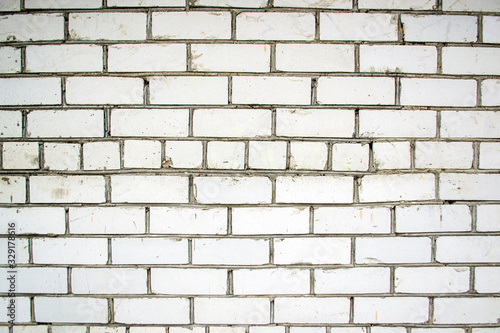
(250,166)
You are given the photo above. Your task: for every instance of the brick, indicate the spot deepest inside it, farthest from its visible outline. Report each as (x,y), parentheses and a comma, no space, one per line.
(101,155)
(485,279)
(225,155)
(181,220)
(44,4)
(269,221)
(63,58)
(393,250)
(68,329)
(151,310)
(10,6)
(358,26)
(62,309)
(11,124)
(438,330)
(394,4)
(474,249)
(491,26)
(350,157)
(331,4)
(391,155)
(152,329)
(489,92)
(308,155)
(13,189)
(384,329)
(191,25)
(70,251)
(150,122)
(229,251)
(397,187)
(38,280)
(23,312)
(352,280)
(65,123)
(454,186)
(391,310)
(192,90)
(146,58)
(314,58)
(439,28)
(108,281)
(356,90)
(10,60)
(398,58)
(231,310)
(438,92)
(331,310)
(106,220)
(271,90)
(315,123)
(275,26)
(443,155)
(433,218)
(267,154)
(67,189)
(352,220)
(274,281)
(473,6)
(466,60)
(20,155)
(231,123)
(30,91)
(184,154)
(469,124)
(34,220)
(230,58)
(431,280)
(486,218)
(104,329)
(21,246)
(226,329)
(232,190)
(149,251)
(267,329)
(325,250)
(181,281)
(61,156)
(466,310)
(27,27)
(107,26)
(146,3)
(397,123)
(321,189)
(125,90)
(29,329)
(142,154)
(231,3)
(151,189)
(489,155)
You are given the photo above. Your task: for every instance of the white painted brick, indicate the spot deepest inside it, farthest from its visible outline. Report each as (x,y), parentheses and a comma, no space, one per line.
(485,330)
(489,92)
(268,221)
(443,155)
(352,220)
(65,123)
(331,4)
(489,155)
(152,310)
(358,26)
(188,90)
(267,154)
(314,58)
(149,251)
(180,220)
(232,310)
(435,280)
(439,28)
(271,90)
(468,249)
(11,124)
(352,280)
(274,281)
(311,310)
(454,186)
(349,329)
(321,189)
(235,123)
(433,218)
(491,29)
(10,6)
(12,189)
(20,155)
(398,58)
(391,310)
(385,329)
(230,57)
(180,329)
(61,156)
(391,155)
(152,329)
(325,250)
(106,220)
(10,60)
(227,329)
(315,123)
(151,189)
(37,280)
(146,58)
(232,190)
(21,246)
(476,6)
(104,90)
(230,251)
(44,4)
(63,58)
(104,329)
(142,154)
(184,154)
(146,3)
(356,90)
(468,60)
(398,187)
(62,189)
(28,27)
(22,310)
(107,26)
(438,330)
(30,91)
(470,124)
(101,155)
(231,3)
(486,279)
(396,4)
(34,220)
(275,26)
(308,155)
(62,309)
(149,122)
(182,281)
(466,310)
(393,250)
(108,281)
(350,157)
(397,123)
(487,218)
(438,92)
(267,329)
(70,251)
(69,329)
(191,25)
(28,329)
(225,155)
